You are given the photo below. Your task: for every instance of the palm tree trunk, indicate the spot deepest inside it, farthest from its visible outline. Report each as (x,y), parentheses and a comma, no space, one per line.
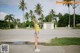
(23,16)
(69,17)
(9,24)
(74,15)
(74,19)
(23,19)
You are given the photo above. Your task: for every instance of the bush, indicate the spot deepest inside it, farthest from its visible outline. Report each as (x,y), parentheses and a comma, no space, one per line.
(27,24)
(3,24)
(31,24)
(12,25)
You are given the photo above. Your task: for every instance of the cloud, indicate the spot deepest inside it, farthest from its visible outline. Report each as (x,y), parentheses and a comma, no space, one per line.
(2,15)
(47,5)
(9,2)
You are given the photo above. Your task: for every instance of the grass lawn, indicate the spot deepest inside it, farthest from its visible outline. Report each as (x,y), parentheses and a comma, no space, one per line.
(64,41)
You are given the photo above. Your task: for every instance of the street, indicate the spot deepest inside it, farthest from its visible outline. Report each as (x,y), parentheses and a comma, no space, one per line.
(28,35)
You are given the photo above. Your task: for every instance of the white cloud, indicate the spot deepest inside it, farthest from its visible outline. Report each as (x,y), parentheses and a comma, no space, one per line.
(47,5)
(2,15)
(9,2)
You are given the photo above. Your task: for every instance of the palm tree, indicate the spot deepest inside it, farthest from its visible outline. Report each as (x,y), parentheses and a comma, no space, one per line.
(53,18)
(52,13)
(16,21)
(33,18)
(22,6)
(74,14)
(42,18)
(68,5)
(38,9)
(31,14)
(74,6)
(27,16)
(9,18)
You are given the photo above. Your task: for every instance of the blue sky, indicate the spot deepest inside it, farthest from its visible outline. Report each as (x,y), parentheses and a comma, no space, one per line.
(11,7)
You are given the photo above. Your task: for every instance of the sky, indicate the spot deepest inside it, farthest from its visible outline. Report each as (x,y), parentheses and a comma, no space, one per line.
(12,7)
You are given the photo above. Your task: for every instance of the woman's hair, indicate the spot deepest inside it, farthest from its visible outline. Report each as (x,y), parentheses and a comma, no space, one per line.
(35,21)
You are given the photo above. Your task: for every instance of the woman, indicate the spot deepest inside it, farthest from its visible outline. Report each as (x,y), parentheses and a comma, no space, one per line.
(37,29)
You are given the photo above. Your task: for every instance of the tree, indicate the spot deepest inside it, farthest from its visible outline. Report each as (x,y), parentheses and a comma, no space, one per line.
(22,6)
(52,13)
(17,22)
(41,18)
(68,5)
(48,18)
(63,22)
(38,9)
(34,17)
(9,18)
(60,15)
(27,16)
(31,14)
(74,6)
(74,19)
(3,24)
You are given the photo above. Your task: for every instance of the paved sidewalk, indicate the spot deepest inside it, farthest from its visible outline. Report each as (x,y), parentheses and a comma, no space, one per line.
(44,49)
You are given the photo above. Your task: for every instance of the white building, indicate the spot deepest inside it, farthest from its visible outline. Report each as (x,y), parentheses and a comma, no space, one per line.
(48,25)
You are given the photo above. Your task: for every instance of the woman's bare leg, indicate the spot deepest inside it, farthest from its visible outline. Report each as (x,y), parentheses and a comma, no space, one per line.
(36,42)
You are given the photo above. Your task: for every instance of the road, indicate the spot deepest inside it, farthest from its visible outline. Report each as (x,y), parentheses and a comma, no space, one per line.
(14,35)
(25,35)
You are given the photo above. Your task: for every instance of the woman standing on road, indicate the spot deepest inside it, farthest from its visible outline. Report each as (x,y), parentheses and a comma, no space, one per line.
(37,29)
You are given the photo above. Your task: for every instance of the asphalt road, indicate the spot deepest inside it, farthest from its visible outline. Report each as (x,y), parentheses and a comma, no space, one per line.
(28,35)
(25,35)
